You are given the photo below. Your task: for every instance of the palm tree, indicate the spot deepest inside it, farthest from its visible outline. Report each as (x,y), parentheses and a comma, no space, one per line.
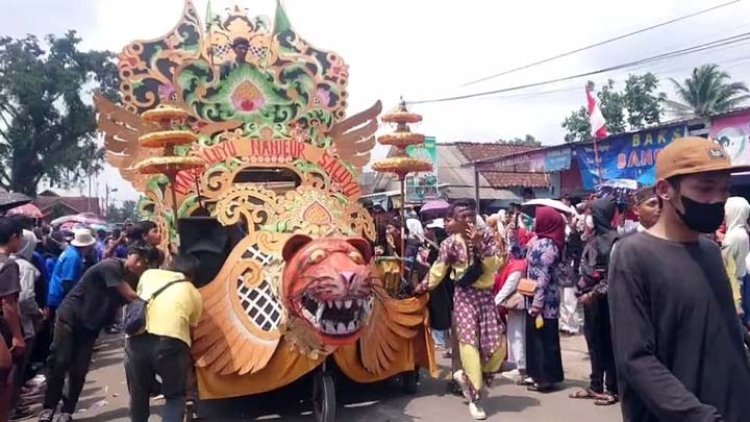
(708,91)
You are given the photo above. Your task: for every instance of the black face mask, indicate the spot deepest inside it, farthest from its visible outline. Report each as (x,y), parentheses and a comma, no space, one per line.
(700,217)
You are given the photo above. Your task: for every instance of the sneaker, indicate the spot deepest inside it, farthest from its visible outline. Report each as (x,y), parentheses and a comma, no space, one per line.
(65,417)
(46,415)
(477,412)
(513,375)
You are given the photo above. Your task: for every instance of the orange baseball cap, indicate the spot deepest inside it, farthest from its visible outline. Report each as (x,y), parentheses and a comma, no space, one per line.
(692,155)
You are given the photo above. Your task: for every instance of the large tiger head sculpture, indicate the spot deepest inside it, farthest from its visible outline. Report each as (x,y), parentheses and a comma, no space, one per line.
(328,284)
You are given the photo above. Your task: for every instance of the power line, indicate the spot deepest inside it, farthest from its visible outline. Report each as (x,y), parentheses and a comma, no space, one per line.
(701,47)
(617,38)
(726,64)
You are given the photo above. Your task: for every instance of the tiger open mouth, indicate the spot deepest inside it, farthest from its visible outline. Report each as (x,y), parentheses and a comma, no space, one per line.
(336,318)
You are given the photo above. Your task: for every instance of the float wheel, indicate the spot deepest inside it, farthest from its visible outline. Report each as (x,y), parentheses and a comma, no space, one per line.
(191,411)
(410,382)
(324,398)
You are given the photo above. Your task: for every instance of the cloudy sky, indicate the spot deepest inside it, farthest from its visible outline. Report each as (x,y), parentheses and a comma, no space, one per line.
(424,49)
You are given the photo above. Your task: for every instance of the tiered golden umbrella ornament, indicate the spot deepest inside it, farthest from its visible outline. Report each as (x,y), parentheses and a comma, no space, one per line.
(169,134)
(399,163)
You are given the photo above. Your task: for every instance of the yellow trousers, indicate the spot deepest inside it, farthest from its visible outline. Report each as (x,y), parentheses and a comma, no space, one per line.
(472,363)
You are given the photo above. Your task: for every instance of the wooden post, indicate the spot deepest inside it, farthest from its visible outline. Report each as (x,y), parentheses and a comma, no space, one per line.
(402,179)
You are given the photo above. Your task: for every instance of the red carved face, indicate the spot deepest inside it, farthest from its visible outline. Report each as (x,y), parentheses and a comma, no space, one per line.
(328,284)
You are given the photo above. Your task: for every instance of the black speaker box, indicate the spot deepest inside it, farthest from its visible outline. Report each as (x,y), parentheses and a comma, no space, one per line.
(207,240)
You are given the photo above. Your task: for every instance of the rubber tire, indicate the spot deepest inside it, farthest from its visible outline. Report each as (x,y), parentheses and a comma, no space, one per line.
(191,412)
(324,398)
(410,382)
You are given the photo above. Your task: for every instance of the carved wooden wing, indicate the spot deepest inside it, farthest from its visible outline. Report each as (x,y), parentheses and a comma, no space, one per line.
(121,132)
(354,137)
(392,322)
(240,327)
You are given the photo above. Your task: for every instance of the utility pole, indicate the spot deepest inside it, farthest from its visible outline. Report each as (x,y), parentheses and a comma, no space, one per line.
(107,191)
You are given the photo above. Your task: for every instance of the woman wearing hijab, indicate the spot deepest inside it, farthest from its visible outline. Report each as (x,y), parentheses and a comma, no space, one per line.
(736,245)
(592,292)
(508,298)
(543,357)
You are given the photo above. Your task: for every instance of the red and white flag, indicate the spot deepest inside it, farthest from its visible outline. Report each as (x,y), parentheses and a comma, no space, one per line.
(598,124)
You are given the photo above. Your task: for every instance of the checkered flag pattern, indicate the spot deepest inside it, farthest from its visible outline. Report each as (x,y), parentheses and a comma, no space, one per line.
(260,305)
(259,52)
(220,51)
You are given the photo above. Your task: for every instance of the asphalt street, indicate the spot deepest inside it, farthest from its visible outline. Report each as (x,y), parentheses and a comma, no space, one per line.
(104,398)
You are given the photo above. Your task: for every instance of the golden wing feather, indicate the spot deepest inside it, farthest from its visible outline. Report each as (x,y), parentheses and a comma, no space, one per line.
(121,132)
(392,322)
(225,341)
(354,137)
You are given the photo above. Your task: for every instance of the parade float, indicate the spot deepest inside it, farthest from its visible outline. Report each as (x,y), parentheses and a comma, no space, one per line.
(235,131)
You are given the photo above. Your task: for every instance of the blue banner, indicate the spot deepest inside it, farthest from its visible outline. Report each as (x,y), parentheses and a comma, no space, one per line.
(630,156)
(557,160)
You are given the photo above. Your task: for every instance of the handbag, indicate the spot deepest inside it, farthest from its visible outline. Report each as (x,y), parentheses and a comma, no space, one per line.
(527,287)
(135,311)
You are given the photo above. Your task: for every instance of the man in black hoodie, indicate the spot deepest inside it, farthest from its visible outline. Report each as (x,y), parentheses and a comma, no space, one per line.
(676,336)
(591,290)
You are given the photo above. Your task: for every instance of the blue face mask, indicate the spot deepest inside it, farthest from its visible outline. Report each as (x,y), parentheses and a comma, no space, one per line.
(702,217)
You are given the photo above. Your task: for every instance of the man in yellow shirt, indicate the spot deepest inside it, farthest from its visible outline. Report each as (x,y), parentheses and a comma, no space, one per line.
(174,306)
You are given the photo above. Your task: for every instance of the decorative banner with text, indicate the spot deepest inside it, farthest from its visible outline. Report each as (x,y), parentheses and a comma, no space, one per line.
(629,156)
(423,186)
(733,133)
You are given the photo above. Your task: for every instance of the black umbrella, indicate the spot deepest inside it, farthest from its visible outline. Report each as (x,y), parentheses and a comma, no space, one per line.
(9,200)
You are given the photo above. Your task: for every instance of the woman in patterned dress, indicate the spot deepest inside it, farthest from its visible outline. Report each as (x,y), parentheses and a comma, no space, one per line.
(543,358)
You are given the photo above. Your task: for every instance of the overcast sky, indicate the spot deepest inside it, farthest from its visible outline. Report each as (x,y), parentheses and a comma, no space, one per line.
(429,49)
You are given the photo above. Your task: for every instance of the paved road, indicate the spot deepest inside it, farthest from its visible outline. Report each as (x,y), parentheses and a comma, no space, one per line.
(104,398)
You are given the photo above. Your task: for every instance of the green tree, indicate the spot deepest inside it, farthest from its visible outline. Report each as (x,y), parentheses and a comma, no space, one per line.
(708,91)
(113,214)
(47,130)
(578,126)
(128,210)
(612,104)
(643,102)
(638,105)
(528,140)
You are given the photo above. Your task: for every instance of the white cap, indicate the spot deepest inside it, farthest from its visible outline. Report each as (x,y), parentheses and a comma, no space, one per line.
(82,238)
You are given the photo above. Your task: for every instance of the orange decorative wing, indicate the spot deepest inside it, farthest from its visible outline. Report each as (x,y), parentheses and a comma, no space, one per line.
(122,130)
(354,137)
(391,323)
(242,316)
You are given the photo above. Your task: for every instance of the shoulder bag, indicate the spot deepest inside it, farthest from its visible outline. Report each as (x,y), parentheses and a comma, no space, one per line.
(135,311)
(527,287)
